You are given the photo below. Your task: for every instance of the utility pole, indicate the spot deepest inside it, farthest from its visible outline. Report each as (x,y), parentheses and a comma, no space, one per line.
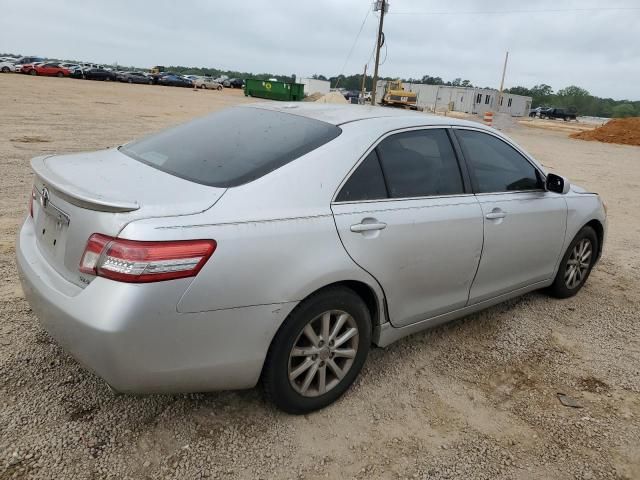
(504,71)
(383,6)
(364,84)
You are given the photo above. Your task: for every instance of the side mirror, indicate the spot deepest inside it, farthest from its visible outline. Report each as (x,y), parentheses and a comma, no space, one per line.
(556,183)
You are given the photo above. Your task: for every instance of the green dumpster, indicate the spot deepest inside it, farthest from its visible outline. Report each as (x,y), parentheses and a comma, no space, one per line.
(288,92)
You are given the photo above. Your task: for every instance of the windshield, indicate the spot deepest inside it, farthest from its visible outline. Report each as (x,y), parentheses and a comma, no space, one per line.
(233,146)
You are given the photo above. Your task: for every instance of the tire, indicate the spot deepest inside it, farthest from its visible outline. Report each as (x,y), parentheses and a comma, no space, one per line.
(130,81)
(59,74)
(5,69)
(150,82)
(203,86)
(565,284)
(291,395)
(219,87)
(33,72)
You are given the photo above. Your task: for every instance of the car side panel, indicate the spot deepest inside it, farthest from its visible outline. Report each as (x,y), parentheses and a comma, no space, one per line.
(523,247)
(259,263)
(426,256)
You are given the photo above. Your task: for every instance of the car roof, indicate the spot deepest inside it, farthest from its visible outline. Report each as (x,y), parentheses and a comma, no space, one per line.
(337,114)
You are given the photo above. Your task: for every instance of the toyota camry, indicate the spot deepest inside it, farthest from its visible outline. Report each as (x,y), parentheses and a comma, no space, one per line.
(277,243)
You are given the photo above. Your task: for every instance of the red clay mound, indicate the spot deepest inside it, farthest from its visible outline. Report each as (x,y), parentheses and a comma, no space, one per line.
(618,130)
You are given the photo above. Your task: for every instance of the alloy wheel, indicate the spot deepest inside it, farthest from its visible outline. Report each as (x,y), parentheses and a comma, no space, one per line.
(323,353)
(578,263)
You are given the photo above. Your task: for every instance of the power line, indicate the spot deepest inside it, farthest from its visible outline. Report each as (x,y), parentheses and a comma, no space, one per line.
(508,12)
(353,45)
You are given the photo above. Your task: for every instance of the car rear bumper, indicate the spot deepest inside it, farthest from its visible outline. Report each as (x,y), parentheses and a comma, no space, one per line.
(132,336)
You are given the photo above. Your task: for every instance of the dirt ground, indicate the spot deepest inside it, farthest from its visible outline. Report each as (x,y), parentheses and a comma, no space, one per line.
(476,399)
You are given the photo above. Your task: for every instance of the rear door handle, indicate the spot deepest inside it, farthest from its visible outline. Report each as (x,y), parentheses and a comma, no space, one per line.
(367,227)
(496,214)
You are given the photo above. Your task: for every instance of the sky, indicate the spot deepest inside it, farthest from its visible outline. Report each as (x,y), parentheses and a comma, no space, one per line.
(590,43)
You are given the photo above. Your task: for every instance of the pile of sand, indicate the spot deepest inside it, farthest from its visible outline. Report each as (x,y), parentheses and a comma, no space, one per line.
(618,130)
(332,97)
(313,97)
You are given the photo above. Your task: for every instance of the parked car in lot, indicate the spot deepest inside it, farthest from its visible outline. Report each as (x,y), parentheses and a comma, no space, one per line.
(135,77)
(280,242)
(6,67)
(557,113)
(351,94)
(207,83)
(49,70)
(233,83)
(28,68)
(175,81)
(98,74)
(157,76)
(26,60)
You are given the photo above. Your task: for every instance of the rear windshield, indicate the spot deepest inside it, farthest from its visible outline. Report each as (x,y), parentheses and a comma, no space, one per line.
(233,146)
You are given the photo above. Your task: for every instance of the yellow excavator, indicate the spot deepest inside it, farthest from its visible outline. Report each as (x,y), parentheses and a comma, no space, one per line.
(396,96)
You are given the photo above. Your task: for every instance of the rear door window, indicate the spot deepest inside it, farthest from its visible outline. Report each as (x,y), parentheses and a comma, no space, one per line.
(420,163)
(366,183)
(232,147)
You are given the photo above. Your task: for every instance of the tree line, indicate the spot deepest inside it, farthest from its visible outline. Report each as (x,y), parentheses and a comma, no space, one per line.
(577,99)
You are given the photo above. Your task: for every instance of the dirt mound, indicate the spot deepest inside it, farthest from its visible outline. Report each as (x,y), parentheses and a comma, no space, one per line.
(332,97)
(618,130)
(313,97)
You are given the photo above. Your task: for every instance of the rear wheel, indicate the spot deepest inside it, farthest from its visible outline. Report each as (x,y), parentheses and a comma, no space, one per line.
(219,87)
(33,72)
(59,74)
(318,352)
(5,70)
(203,86)
(576,264)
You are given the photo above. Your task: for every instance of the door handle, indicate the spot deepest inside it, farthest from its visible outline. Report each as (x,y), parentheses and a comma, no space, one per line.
(367,227)
(496,214)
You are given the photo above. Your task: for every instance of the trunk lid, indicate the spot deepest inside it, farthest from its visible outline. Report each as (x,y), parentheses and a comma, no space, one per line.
(80,194)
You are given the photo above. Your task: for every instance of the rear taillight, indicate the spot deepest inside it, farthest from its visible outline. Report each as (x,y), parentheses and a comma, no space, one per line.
(141,262)
(31,199)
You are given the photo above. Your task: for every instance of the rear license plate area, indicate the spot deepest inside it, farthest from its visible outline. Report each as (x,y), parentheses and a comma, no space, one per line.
(52,228)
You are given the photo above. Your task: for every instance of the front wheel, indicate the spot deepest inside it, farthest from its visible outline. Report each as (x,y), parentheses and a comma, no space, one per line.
(59,74)
(33,72)
(576,264)
(318,352)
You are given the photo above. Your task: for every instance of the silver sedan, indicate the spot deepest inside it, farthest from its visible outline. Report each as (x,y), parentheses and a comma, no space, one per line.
(278,243)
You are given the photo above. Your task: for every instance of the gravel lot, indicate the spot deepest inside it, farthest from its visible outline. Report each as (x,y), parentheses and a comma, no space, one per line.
(474,399)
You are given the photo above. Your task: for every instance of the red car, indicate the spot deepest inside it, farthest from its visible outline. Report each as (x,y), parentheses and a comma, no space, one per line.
(46,69)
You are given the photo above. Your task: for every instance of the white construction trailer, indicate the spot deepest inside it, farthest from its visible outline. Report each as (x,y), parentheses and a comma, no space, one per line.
(437,98)
(312,85)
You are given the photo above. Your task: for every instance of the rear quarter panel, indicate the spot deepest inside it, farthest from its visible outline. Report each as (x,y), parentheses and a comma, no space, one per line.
(260,262)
